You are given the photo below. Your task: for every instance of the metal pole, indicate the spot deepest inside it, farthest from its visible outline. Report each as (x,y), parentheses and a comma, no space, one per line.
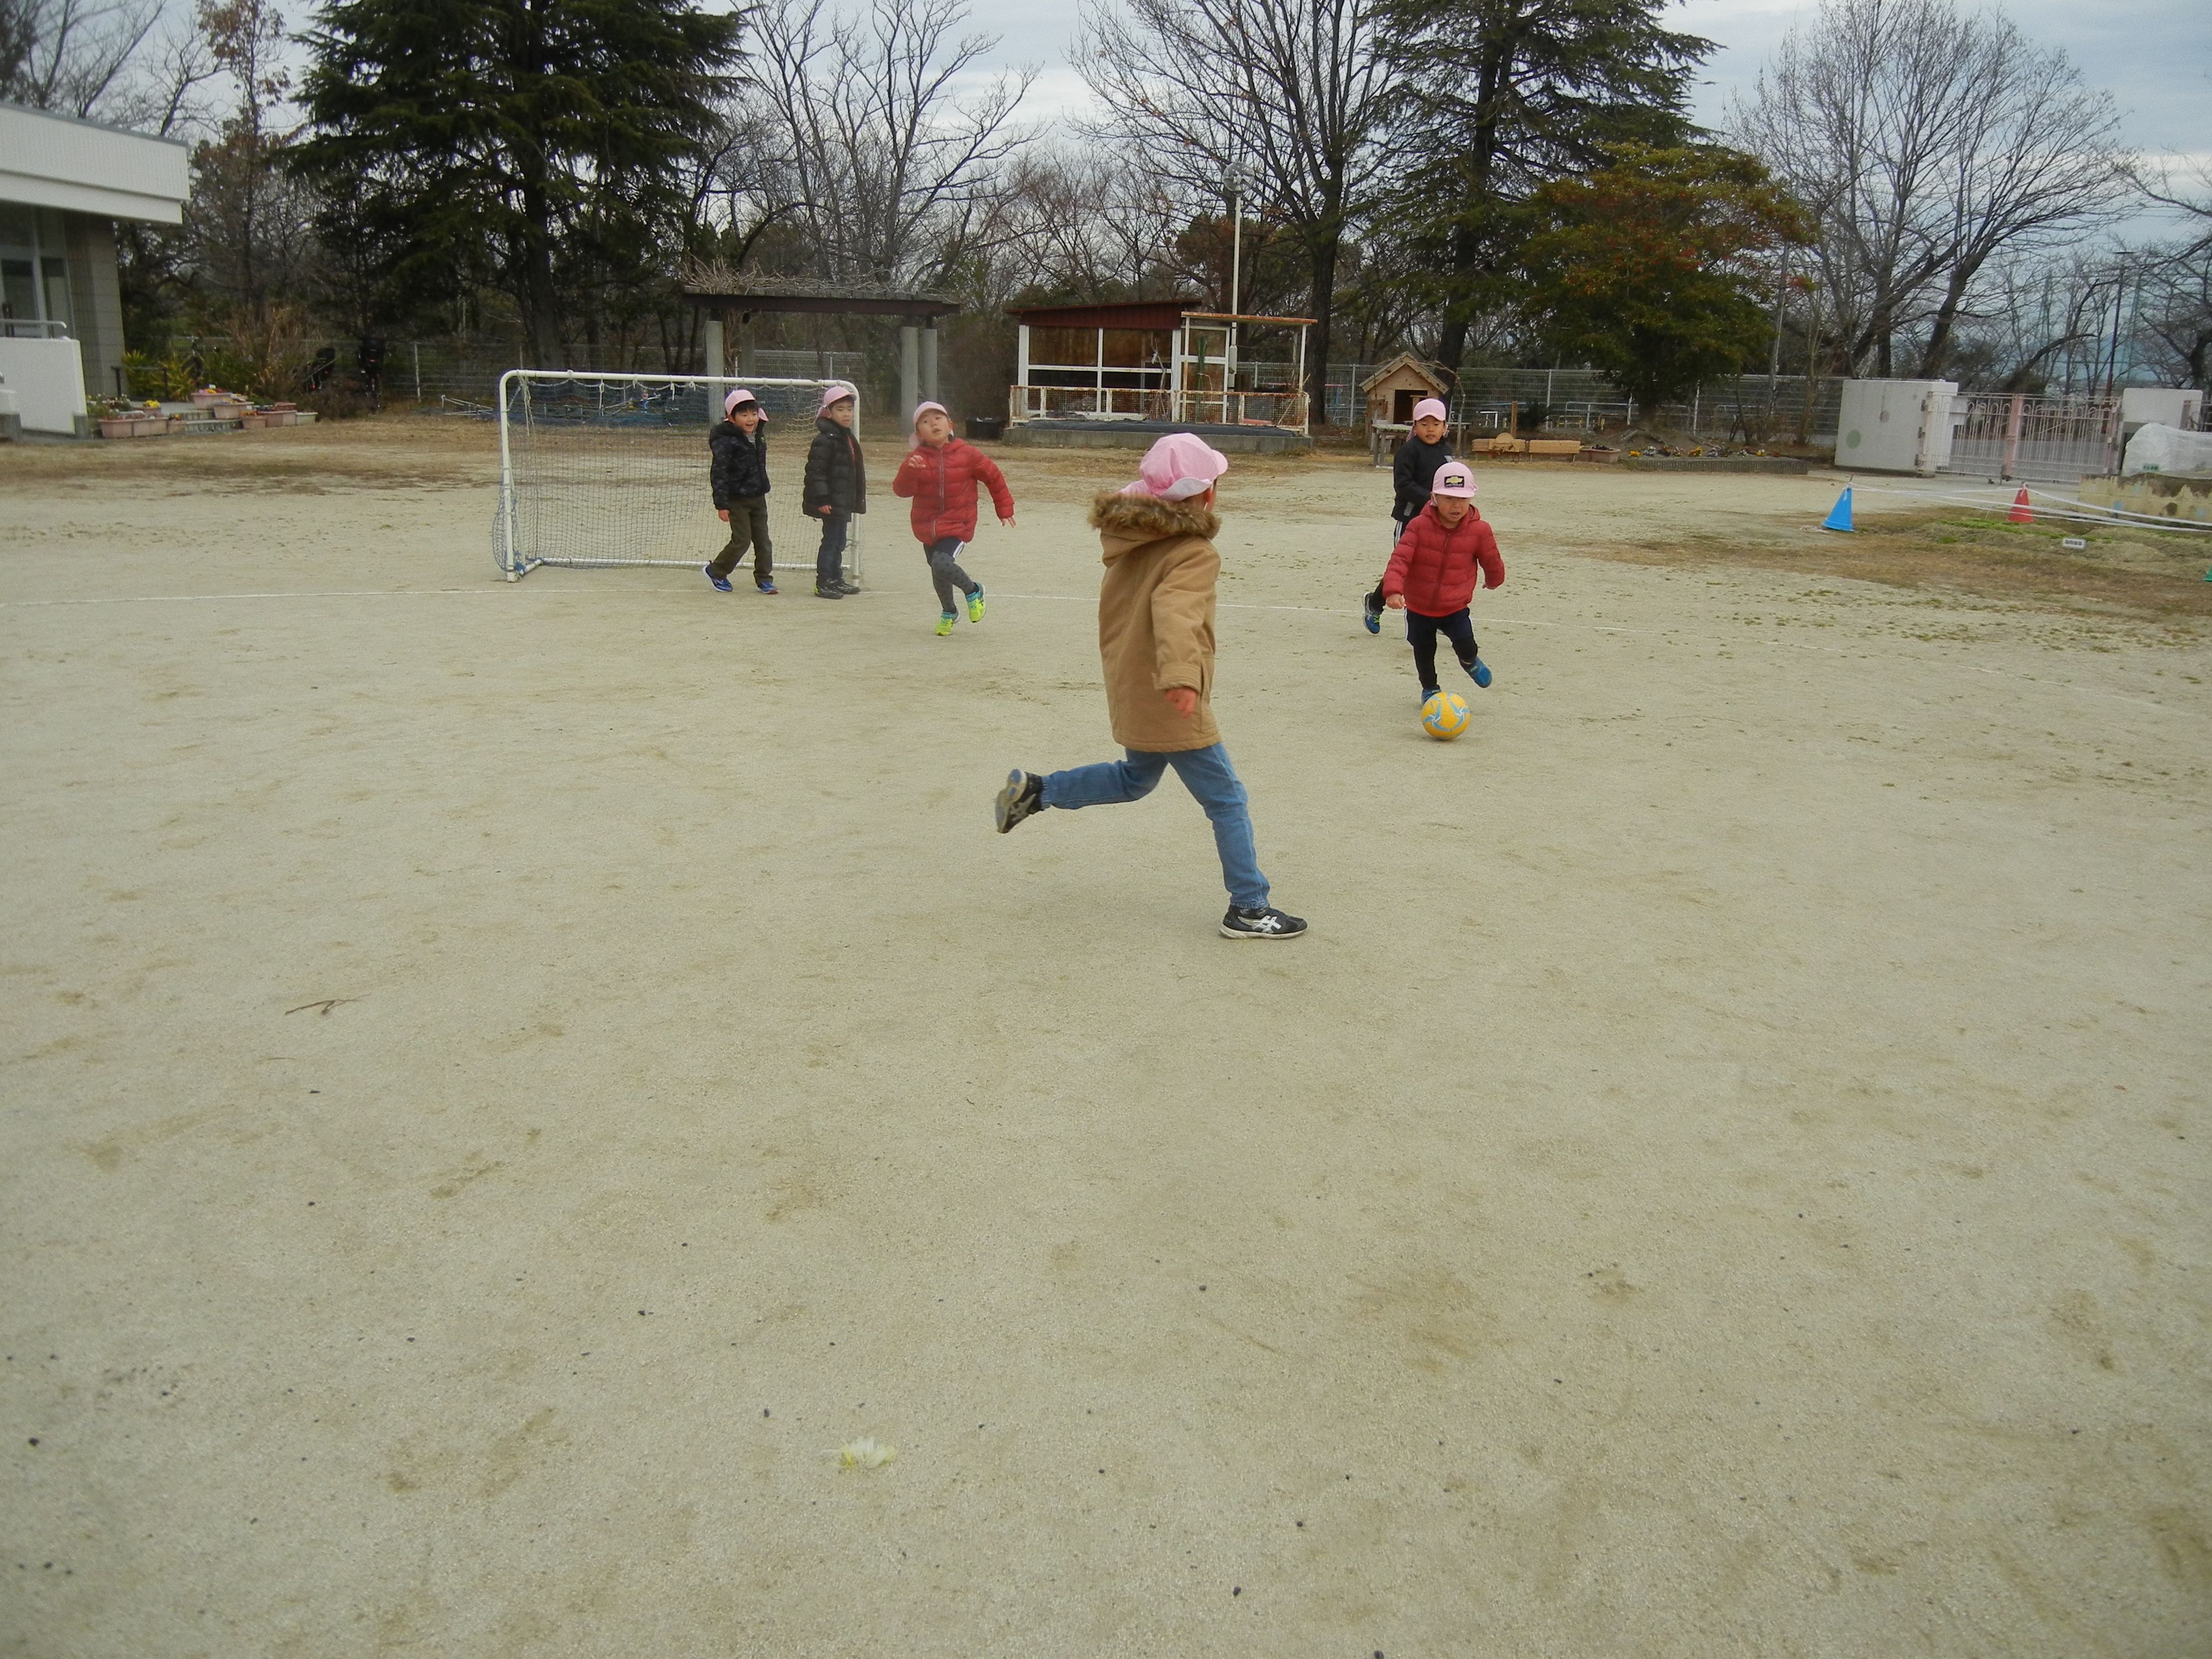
(909,368)
(1235,294)
(929,360)
(507,482)
(417,346)
(2012,434)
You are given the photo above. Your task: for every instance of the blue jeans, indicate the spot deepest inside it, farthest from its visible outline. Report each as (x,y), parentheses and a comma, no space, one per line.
(1211,780)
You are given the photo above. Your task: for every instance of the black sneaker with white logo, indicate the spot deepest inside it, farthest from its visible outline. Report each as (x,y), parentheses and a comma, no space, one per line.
(1022,797)
(1262,923)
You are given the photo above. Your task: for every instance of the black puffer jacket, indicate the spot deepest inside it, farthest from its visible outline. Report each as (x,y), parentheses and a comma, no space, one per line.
(740,465)
(1412,472)
(834,476)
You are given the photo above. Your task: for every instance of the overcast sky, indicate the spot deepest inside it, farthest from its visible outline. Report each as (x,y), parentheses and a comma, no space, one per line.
(2153,56)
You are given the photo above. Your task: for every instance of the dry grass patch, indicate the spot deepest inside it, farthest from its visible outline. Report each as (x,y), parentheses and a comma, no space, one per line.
(2137,572)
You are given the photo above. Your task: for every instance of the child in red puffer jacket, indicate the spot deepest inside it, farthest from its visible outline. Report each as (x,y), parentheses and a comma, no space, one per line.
(1432,575)
(939,475)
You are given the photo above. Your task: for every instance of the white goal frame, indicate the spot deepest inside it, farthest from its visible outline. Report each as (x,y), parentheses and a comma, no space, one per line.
(515,564)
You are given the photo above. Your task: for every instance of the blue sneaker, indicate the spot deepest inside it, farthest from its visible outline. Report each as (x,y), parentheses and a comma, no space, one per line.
(721,583)
(766,585)
(1370,615)
(1479,671)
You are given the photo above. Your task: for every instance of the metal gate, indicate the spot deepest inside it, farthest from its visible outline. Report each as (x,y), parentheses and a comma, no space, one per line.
(2048,439)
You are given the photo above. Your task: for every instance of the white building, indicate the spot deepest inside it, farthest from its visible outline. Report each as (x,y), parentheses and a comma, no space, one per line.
(63,184)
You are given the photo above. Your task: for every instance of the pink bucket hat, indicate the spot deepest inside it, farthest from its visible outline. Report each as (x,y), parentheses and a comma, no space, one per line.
(836,392)
(1431,408)
(730,404)
(1178,466)
(1453,478)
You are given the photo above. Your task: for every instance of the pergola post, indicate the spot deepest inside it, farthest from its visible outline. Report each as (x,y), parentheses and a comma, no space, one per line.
(929,360)
(710,344)
(909,369)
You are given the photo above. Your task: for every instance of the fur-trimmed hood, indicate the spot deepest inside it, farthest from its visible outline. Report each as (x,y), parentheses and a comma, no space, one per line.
(1125,521)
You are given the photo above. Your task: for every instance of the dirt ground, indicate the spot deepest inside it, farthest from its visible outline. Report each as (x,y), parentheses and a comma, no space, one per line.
(503,1082)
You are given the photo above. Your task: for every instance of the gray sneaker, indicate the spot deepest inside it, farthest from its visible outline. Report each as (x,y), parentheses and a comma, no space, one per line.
(1262,923)
(1022,797)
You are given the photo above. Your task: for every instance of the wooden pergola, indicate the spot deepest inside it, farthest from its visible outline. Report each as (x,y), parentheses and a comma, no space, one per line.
(728,297)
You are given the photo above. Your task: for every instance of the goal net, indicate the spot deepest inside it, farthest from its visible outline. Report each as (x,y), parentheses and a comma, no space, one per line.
(598,470)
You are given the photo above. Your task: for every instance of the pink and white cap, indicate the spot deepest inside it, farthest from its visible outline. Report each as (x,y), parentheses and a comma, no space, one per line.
(921,409)
(731,404)
(836,392)
(1176,467)
(1454,478)
(1431,409)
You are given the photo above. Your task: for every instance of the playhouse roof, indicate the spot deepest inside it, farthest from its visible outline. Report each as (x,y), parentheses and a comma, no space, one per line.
(1157,314)
(1428,371)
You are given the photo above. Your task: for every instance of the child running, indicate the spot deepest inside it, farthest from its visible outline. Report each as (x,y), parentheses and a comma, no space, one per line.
(1431,576)
(837,488)
(1418,457)
(941,474)
(739,475)
(1156,641)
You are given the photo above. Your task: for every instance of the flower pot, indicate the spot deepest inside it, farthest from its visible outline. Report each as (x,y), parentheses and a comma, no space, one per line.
(116,425)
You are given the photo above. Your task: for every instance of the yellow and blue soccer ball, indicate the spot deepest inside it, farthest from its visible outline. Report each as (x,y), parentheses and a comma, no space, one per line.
(1444,716)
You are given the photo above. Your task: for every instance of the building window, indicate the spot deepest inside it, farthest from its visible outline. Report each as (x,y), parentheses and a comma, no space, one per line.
(34,287)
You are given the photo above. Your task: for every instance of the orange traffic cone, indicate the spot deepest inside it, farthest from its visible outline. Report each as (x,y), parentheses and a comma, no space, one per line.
(2020,514)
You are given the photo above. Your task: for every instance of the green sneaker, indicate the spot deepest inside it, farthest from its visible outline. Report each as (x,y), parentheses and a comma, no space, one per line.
(945,624)
(975,604)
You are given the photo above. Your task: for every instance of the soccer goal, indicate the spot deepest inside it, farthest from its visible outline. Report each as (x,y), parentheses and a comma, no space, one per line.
(600,470)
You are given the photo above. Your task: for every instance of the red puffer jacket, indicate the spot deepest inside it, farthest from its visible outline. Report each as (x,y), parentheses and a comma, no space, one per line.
(942,483)
(1435,568)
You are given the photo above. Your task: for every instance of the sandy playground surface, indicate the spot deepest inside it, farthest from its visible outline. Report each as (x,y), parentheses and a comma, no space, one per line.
(503,1082)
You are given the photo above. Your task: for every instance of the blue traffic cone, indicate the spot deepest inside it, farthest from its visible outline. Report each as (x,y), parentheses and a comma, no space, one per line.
(1840,515)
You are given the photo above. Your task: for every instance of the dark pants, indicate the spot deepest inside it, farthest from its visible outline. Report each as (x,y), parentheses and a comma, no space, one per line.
(953,584)
(748,528)
(1421,634)
(829,562)
(1397,530)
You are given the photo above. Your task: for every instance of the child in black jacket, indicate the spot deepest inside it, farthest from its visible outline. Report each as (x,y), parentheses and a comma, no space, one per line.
(739,478)
(1418,457)
(836,489)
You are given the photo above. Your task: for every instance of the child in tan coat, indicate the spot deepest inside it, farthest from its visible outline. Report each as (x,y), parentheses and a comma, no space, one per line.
(1155,642)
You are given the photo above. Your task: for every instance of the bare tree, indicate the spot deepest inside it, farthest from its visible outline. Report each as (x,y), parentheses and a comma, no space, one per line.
(1288,99)
(1930,144)
(862,130)
(70,56)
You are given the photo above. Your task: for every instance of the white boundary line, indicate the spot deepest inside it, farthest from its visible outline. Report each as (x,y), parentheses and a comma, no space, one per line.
(1088,599)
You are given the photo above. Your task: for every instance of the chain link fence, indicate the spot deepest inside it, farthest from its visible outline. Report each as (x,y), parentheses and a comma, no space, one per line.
(462,376)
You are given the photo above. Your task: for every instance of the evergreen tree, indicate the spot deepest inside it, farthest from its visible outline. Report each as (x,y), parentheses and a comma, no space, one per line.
(535,144)
(1647,268)
(1507,94)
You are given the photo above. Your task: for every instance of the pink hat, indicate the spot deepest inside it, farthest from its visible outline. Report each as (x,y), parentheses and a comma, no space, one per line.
(836,392)
(1453,478)
(1178,466)
(1431,408)
(913,441)
(730,403)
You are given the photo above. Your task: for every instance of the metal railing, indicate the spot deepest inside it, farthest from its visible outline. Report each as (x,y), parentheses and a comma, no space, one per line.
(1281,409)
(31,328)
